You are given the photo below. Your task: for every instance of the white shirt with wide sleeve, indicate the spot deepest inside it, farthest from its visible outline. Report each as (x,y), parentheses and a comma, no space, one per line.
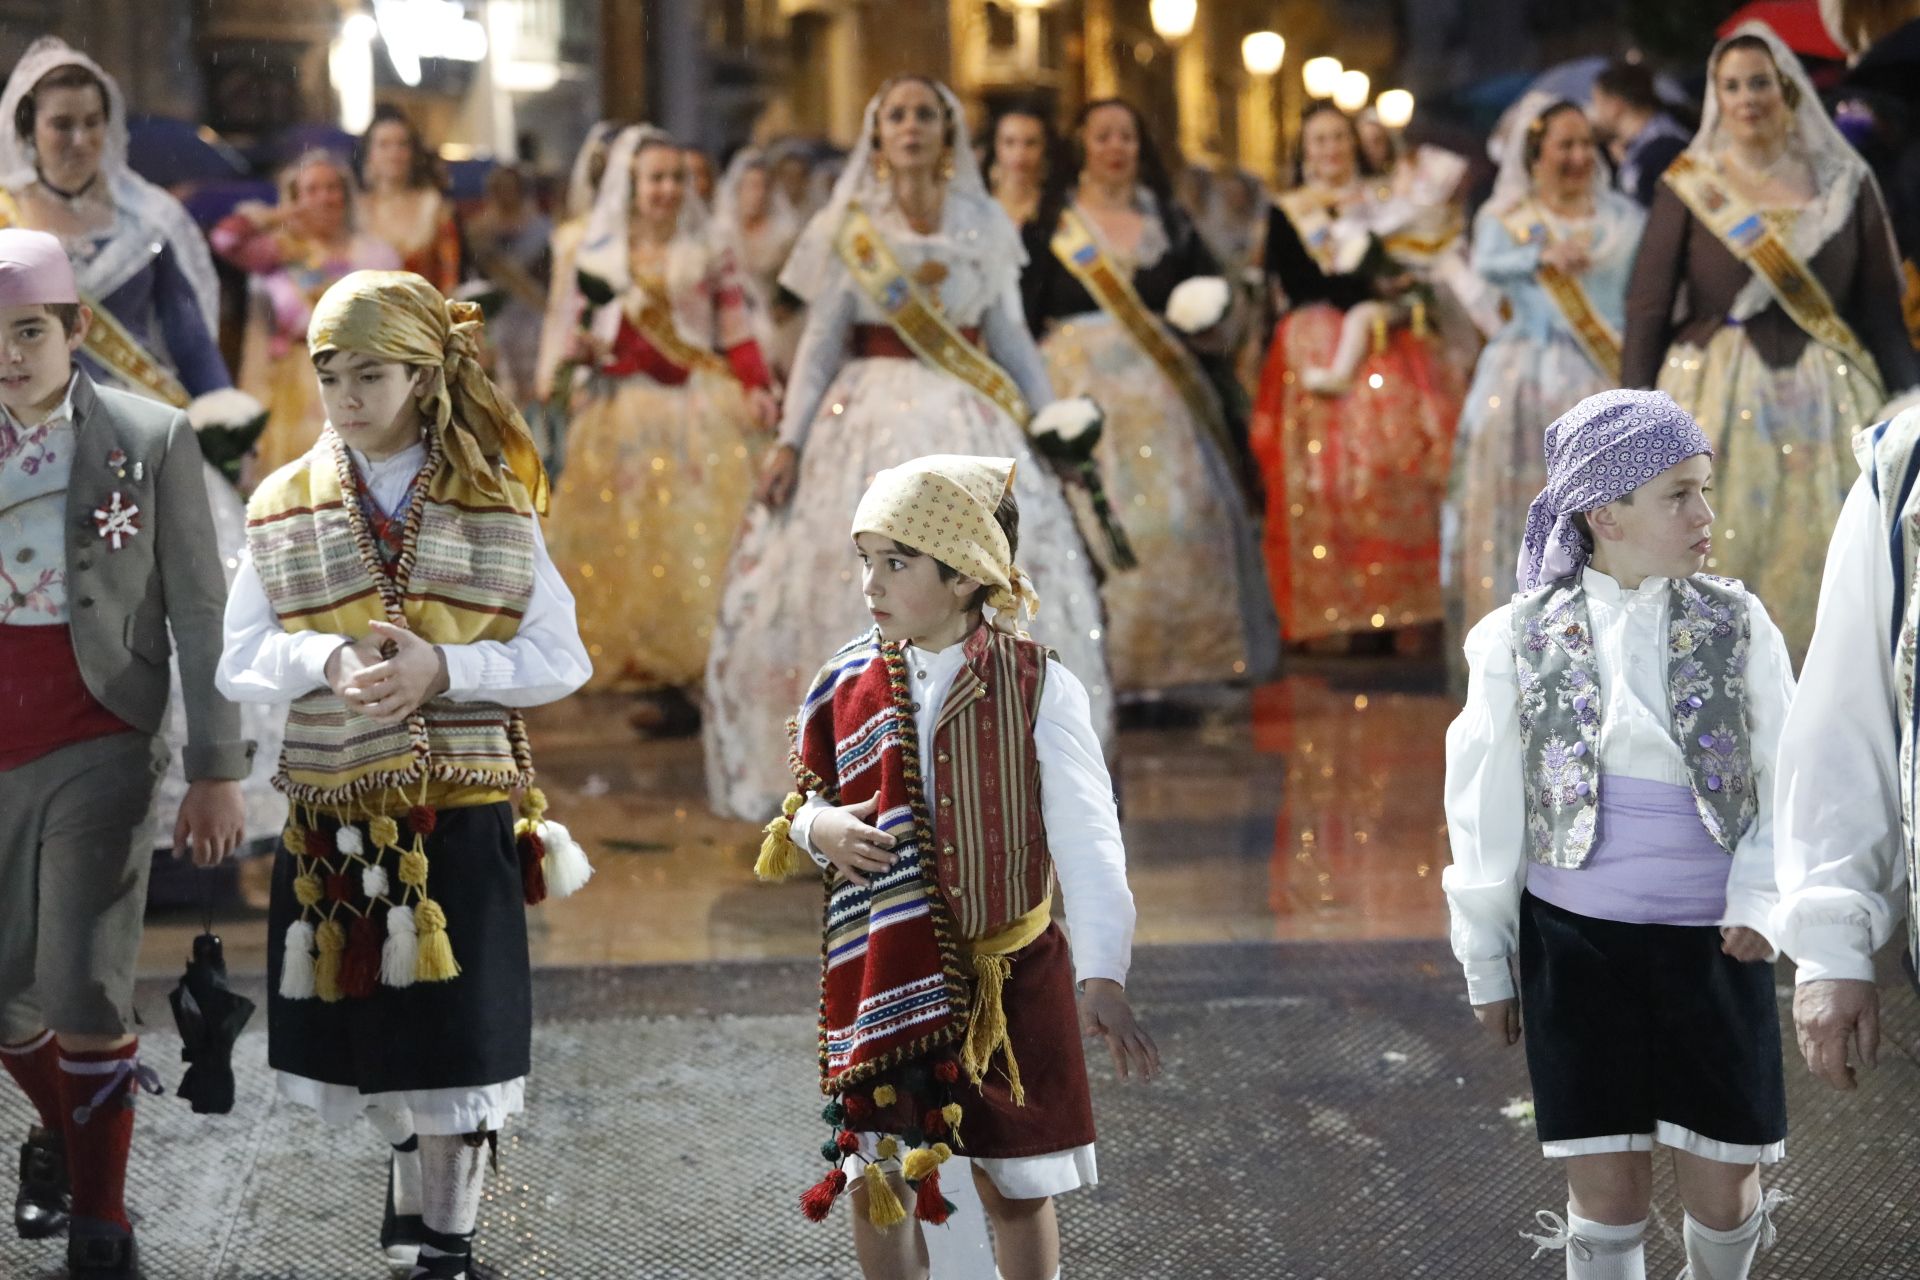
(1842,875)
(544,662)
(1486,801)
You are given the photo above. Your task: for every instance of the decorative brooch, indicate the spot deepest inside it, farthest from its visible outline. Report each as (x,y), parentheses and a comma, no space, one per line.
(117,521)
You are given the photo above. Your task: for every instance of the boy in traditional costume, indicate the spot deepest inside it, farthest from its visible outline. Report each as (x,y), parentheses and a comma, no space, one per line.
(1609,793)
(106,542)
(398,595)
(947,770)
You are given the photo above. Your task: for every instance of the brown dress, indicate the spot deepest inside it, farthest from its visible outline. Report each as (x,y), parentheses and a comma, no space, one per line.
(1780,408)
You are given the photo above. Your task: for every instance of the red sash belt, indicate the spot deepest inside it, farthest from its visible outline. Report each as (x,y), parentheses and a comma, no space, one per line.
(44,702)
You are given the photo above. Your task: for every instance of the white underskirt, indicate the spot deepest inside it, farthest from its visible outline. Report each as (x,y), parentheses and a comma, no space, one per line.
(1024,1177)
(440,1113)
(1669,1135)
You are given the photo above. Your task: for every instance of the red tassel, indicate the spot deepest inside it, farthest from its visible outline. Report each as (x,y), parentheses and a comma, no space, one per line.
(858,1107)
(360,968)
(928,1204)
(422,819)
(816,1202)
(533,874)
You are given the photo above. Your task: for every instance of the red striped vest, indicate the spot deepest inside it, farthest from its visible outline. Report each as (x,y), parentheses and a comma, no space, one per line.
(990,839)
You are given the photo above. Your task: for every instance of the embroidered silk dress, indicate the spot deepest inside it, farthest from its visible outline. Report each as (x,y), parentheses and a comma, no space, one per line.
(1354,482)
(1196,609)
(1532,371)
(855,405)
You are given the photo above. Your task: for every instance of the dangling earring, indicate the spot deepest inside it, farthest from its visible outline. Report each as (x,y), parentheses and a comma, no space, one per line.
(881,169)
(946,165)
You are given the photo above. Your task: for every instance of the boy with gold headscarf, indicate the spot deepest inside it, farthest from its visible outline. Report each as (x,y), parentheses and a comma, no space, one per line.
(398,595)
(947,771)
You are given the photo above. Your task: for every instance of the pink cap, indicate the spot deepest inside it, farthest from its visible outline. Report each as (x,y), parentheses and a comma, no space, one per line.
(34,269)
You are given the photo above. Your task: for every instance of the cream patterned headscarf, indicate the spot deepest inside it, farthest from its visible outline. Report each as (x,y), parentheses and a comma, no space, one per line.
(399,316)
(942,506)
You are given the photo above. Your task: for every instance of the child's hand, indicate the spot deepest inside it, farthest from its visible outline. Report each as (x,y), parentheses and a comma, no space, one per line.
(346,663)
(389,691)
(1501,1018)
(846,838)
(1748,946)
(1105,1011)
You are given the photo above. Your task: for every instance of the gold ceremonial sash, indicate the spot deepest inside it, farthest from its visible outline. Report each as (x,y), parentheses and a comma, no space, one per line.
(1597,338)
(1739,226)
(1078,251)
(653,318)
(912,315)
(109,342)
(1312,221)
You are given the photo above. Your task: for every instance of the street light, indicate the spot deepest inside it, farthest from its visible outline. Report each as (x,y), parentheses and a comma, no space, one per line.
(1395,108)
(1173,19)
(1350,94)
(1322,76)
(1263,52)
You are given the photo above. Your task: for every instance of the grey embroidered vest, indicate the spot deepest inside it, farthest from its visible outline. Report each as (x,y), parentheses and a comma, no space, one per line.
(1708,634)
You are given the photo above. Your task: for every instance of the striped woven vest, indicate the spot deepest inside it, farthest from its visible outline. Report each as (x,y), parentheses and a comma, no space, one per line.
(991,840)
(465,574)
(1708,634)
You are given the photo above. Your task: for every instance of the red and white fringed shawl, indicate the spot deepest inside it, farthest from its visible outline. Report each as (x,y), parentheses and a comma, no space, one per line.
(894,998)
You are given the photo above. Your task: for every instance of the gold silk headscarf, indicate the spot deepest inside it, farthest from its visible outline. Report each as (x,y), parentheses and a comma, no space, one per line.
(942,506)
(398,316)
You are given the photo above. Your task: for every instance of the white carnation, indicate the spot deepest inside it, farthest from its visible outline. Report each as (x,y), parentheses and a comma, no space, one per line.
(228,407)
(1069,419)
(1199,304)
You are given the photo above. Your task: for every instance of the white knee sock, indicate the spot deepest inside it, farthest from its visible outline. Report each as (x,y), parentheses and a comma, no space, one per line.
(1595,1250)
(452,1174)
(397,1128)
(1727,1255)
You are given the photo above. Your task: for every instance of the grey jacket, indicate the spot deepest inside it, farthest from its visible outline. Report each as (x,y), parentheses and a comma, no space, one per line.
(167,574)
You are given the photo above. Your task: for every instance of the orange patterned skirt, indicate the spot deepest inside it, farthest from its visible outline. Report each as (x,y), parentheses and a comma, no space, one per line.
(1354,482)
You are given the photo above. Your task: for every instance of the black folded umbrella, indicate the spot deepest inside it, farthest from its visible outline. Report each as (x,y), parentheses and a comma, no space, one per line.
(211,1016)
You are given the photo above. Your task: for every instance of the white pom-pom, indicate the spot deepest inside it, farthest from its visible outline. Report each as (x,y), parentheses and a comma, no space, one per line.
(296,964)
(402,947)
(224,408)
(1350,250)
(1199,304)
(1068,419)
(373,881)
(348,841)
(565,866)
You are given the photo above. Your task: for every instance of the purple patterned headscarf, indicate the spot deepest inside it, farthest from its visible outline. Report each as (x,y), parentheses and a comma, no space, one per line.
(1598,452)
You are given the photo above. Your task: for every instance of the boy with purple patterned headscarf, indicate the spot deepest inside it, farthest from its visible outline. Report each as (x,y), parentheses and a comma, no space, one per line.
(1609,788)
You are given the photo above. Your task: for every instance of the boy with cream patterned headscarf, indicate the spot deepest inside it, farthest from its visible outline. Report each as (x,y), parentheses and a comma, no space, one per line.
(947,770)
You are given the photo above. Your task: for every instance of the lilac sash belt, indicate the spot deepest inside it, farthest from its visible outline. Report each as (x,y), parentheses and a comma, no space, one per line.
(1652,862)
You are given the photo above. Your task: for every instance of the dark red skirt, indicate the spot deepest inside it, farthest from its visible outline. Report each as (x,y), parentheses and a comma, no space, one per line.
(1043,1024)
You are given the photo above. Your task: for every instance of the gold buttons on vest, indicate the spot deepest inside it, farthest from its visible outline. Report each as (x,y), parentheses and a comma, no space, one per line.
(943,757)
(946,802)
(947,849)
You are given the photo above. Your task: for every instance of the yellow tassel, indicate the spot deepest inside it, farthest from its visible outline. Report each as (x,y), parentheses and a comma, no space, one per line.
(1419,319)
(778,853)
(792,804)
(987,1028)
(295,839)
(533,805)
(306,890)
(1379,334)
(885,1096)
(434,961)
(384,832)
(924,1160)
(952,1111)
(883,1206)
(332,941)
(413,868)
(887,1148)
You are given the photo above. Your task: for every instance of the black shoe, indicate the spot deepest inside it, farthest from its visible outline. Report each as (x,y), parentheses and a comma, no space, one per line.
(101,1251)
(399,1233)
(452,1259)
(40,1210)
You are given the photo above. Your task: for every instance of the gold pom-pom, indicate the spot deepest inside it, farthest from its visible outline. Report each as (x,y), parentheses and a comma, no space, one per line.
(533,805)
(885,1096)
(924,1160)
(331,938)
(792,804)
(307,890)
(384,832)
(295,840)
(413,868)
(434,961)
(887,1148)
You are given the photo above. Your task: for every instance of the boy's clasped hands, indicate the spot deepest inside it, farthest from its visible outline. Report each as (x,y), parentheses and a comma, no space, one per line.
(388,675)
